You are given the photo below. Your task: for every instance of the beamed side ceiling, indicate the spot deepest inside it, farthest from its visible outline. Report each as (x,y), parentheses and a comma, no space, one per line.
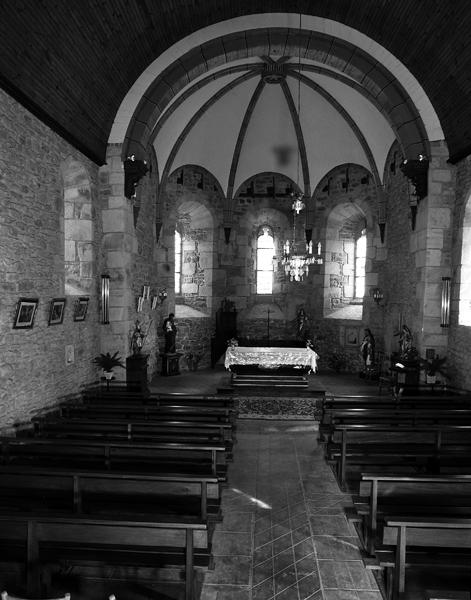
(72,63)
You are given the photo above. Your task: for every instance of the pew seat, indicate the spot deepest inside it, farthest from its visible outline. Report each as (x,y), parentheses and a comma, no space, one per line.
(92,492)
(37,541)
(434,542)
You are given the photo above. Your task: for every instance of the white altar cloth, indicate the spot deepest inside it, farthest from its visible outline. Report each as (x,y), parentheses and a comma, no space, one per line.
(270,356)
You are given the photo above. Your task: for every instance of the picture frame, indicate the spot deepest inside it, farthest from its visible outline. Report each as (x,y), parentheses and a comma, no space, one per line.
(56,311)
(25,313)
(80,310)
(352,336)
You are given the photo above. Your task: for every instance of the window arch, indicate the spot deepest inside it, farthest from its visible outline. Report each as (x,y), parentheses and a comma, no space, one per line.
(264,265)
(78,228)
(360,265)
(178,262)
(464,314)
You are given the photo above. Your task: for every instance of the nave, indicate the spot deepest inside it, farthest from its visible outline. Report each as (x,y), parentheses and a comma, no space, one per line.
(287,530)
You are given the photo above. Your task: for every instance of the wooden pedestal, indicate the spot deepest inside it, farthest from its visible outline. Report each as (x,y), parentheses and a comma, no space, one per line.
(136,372)
(170,363)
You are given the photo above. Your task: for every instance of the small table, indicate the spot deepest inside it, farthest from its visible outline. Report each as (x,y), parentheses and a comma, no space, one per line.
(170,363)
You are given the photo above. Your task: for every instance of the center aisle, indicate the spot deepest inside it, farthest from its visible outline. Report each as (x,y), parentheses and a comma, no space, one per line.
(284,535)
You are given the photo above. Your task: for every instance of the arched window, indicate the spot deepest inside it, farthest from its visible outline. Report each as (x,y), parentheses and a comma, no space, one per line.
(78,229)
(360,264)
(464,315)
(178,263)
(265,253)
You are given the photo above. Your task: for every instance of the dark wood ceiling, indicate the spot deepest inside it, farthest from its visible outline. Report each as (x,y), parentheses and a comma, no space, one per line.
(71,62)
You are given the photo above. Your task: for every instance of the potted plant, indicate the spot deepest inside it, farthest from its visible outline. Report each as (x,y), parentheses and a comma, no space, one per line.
(432,366)
(107,362)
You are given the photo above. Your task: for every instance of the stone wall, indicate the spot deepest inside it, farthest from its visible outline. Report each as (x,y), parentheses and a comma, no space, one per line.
(33,369)
(459,335)
(194,342)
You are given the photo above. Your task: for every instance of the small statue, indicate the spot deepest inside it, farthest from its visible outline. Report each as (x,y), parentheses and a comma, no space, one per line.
(367,349)
(170,332)
(405,341)
(137,340)
(302,324)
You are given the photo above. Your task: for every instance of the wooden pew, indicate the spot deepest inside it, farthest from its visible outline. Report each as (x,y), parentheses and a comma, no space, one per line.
(155,457)
(383,494)
(82,491)
(114,395)
(37,539)
(439,542)
(408,444)
(394,417)
(134,429)
(147,412)
(331,404)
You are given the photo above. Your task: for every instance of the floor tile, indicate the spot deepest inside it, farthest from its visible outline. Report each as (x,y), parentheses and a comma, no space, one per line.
(225,592)
(340,548)
(264,590)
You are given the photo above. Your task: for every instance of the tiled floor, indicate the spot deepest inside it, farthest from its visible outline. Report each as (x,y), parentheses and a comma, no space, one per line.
(283,535)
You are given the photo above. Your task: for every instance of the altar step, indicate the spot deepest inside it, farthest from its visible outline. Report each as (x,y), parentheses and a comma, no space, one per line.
(263,380)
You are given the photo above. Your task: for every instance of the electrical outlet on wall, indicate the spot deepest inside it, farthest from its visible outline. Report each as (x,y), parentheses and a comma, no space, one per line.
(69,355)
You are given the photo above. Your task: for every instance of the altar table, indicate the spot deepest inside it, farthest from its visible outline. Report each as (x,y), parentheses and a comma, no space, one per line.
(271,357)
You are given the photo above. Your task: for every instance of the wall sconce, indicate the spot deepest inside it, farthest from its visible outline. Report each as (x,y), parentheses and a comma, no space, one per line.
(377,295)
(105,299)
(163,295)
(134,170)
(445,305)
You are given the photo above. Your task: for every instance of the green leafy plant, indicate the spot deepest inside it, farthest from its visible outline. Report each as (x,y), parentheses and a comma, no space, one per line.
(434,365)
(107,361)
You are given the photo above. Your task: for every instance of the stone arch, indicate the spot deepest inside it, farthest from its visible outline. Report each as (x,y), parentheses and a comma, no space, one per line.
(345,203)
(346,49)
(194,202)
(78,228)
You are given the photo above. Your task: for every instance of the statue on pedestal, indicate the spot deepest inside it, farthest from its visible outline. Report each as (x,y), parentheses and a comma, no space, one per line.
(137,339)
(170,332)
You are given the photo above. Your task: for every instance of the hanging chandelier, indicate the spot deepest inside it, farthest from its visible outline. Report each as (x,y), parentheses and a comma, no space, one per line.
(298,255)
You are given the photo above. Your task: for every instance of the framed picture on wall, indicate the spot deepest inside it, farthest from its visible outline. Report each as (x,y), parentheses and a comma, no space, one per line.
(56,311)
(352,336)
(80,311)
(25,311)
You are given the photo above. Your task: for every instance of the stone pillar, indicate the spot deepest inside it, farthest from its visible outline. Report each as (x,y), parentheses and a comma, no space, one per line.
(118,240)
(431,243)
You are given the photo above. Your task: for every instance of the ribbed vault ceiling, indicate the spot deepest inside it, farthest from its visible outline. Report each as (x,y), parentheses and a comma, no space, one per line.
(72,63)
(269,116)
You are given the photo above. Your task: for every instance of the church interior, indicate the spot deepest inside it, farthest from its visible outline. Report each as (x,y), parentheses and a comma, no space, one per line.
(235,275)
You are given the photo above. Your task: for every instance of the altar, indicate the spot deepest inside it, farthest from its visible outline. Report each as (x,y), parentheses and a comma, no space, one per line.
(264,357)
(272,382)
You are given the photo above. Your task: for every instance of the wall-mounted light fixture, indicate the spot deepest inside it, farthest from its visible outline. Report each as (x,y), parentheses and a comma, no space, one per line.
(134,170)
(377,295)
(445,305)
(105,299)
